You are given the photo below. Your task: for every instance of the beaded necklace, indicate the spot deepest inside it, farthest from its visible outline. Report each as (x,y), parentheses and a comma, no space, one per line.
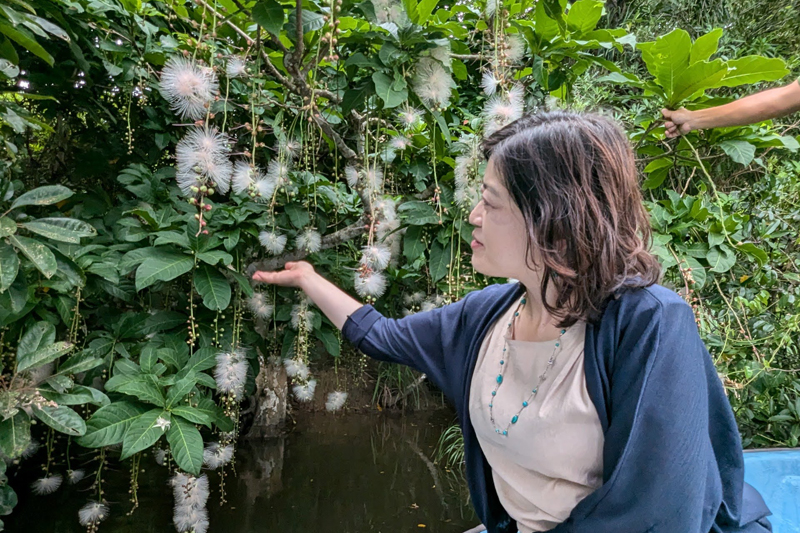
(499,379)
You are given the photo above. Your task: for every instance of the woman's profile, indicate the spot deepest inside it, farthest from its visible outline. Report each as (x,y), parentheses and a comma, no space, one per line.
(587,400)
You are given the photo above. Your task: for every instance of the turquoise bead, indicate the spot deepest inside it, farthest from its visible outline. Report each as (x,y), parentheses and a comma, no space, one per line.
(505,432)
(502,362)
(514,420)
(557,345)
(523,300)
(524,404)
(534,390)
(494,392)
(490,405)
(499,378)
(516,314)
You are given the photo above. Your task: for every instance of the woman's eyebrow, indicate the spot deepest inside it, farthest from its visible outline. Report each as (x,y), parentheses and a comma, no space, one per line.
(489,188)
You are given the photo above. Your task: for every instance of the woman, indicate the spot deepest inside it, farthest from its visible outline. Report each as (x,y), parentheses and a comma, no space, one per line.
(587,400)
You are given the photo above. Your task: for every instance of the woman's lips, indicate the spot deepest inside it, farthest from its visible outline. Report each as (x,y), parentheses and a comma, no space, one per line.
(476,244)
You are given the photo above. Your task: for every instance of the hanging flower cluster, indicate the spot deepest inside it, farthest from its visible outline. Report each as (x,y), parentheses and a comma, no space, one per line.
(231,372)
(191,494)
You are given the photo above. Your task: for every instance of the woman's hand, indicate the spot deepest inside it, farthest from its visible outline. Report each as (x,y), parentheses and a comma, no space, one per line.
(295,274)
(678,122)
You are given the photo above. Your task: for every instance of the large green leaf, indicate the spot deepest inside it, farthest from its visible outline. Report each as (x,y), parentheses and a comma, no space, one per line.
(108,425)
(418,213)
(9,266)
(15,434)
(696,79)
(38,254)
(202,359)
(179,391)
(753,69)
(25,39)
(7,227)
(424,10)
(584,15)
(47,195)
(721,258)
(144,386)
(78,395)
(61,419)
(193,415)
(385,88)
(269,15)
(186,444)
(143,432)
(80,362)
(43,355)
(61,229)
(215,256)
(213,287)
(705,46)
(667,57)
(8,500)
(440,260)
(37,336)
(164,267)
(740,151)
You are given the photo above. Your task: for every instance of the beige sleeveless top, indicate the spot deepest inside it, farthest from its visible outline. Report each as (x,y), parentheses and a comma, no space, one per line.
(552,457)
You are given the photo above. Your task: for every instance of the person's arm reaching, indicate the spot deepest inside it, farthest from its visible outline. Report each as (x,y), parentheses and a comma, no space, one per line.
(333,301)
(765,105)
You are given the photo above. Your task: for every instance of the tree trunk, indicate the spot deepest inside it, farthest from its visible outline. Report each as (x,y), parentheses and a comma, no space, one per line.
(269,401)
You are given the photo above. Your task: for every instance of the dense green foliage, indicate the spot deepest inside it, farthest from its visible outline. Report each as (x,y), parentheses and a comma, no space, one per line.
(364,117)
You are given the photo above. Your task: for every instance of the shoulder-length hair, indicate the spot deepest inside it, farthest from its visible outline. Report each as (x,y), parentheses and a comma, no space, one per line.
(573,177)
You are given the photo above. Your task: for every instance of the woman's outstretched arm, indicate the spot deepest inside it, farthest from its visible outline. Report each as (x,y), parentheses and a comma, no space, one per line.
(333,301)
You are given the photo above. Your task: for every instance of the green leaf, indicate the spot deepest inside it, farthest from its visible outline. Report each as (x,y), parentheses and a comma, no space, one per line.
(213,287)
(8,500)
(179,391)
(61,419)
(705,46)
(38,254)
(9,266)
(47,195)
(37,336)
(440,260)
(7,227)
(696,79)
(330,341)
(61,229)
(667,58)
(215,256)
(78,395)
(25,39)
(143,432)
(244,283)
(108,425)
(144,386)
(164,267)
(584,15)
(424,10)
(754,251)
(202,359)
(15,434)
(753,69)
(148,357)
(740,151)
(269,15)
(186,444)
(721,258)
(80,362)
(44,355)
(384,87)
(193,415)
(413,244)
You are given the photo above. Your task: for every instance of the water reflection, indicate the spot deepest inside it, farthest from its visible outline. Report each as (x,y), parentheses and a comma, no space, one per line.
(342,474)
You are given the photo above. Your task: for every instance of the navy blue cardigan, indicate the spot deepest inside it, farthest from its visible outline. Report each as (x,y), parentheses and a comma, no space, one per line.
(672,456)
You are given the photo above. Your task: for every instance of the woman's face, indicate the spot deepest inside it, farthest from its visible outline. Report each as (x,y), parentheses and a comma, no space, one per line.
(500,236)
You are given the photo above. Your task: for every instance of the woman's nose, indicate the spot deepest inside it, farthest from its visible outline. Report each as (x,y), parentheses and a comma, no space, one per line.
(475,215)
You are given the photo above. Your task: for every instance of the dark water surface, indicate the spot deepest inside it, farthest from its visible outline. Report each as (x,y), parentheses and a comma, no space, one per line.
(338,474)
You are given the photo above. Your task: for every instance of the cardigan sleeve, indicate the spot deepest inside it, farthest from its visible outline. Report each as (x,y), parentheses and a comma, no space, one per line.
(422,340)
(672,452)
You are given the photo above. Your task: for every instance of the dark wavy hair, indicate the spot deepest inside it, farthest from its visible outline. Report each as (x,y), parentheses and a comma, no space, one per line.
(574,178)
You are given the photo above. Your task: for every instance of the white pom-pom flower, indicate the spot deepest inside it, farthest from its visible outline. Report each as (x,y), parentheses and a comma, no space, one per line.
(432,83)
(304,392)
(231,373)
(296,369)
(385,209)
(489,82)
(372,284)
(376,257)
(335,401)
(351,175)
(202,155)
(309,240)
(301,314)
(188,87)
(272,241)
(75,476)
(92,513)
(216,455)
(244,176)
(260,305)
(235,68)
(47,485)
(410,117)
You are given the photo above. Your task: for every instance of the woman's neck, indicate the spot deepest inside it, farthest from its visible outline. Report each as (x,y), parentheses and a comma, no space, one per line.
(534,322)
